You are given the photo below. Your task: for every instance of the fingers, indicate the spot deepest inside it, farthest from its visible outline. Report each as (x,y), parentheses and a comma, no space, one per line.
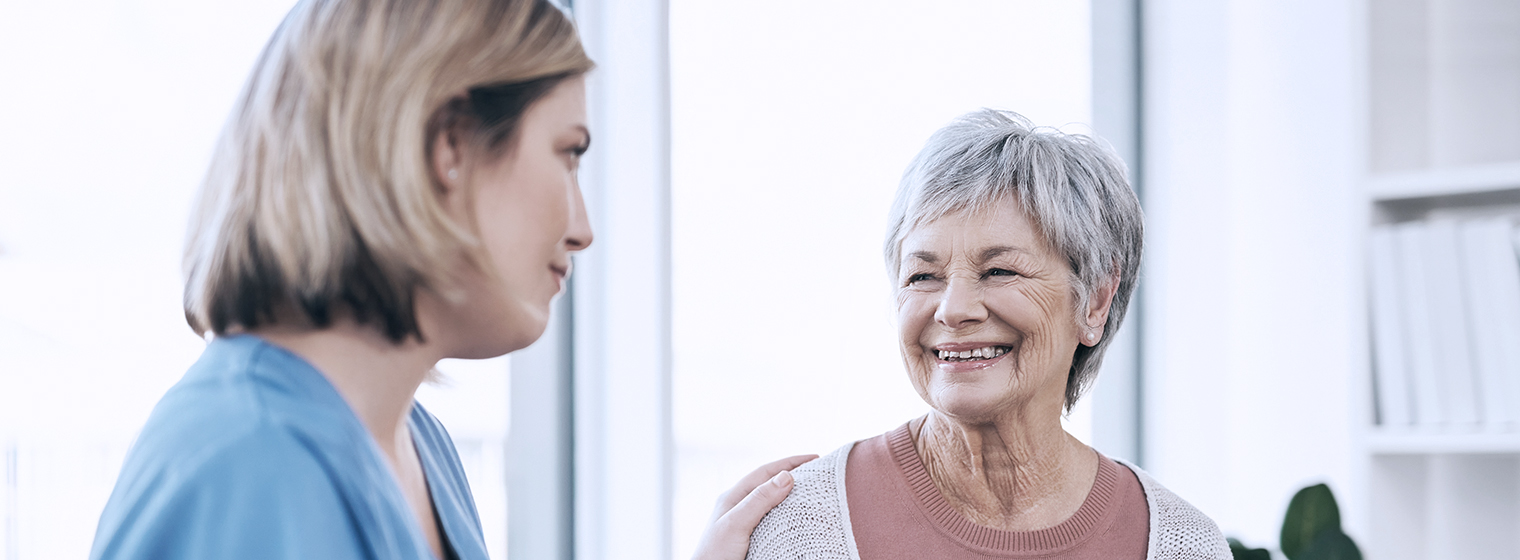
(754,479)
(740,509)
(743,517)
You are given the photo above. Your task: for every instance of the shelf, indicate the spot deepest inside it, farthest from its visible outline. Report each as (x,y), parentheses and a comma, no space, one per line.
(1381,442)
(1452,181)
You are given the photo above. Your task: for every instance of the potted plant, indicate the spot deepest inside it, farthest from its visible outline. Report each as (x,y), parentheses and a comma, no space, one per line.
(1311,531)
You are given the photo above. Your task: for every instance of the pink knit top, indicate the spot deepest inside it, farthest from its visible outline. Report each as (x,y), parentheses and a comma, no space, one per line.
(897,512)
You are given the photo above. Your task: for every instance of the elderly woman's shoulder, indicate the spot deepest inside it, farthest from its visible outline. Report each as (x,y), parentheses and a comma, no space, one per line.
(814,521)
(1179,530)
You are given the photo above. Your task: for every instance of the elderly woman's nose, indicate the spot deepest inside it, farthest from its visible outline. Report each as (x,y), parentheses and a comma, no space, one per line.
(960,305)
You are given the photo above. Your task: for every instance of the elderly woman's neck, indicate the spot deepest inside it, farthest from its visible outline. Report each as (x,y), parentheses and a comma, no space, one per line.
(1014,474)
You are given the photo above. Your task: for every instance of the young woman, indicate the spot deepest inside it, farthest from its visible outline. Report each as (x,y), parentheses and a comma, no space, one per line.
(396,186)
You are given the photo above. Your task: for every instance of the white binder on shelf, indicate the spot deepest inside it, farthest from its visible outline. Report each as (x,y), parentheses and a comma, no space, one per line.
(1491,276)
(1388,344)
(1509,277)
(1448,314)
(1419,335)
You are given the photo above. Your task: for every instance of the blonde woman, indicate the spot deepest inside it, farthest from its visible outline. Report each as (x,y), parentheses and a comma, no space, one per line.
(396,186)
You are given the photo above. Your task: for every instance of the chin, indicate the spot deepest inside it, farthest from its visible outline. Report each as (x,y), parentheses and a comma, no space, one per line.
(504,337)
(492,348)
(530,325)
(969,403)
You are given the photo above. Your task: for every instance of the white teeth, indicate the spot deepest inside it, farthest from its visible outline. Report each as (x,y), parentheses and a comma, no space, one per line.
(987,352)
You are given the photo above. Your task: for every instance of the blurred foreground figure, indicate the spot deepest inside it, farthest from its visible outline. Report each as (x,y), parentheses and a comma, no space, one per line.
(1014,253)
(396,186)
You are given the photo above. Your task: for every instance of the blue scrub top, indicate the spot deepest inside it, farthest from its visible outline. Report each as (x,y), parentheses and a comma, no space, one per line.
(254,454)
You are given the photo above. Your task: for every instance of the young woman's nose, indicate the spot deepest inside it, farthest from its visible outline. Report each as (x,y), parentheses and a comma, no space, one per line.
(579,235)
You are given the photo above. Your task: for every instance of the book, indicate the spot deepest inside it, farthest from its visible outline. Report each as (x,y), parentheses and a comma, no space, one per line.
(1419,349)
(1452,346)
(1508,274)
(1491,276)
(1390,374)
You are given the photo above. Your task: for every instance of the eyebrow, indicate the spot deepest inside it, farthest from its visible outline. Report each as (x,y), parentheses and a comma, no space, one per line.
(925,256)
(1000,250)
(987,254)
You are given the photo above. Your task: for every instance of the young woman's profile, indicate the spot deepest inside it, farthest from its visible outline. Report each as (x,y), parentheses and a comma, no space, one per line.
(396,186)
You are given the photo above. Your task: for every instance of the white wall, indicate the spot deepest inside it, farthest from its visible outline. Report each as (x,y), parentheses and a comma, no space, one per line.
(109,111)
(1251,336)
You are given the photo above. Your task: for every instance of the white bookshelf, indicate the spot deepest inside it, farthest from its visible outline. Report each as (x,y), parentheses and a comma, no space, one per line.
(1445,182)
(1443,141)
(1413,442)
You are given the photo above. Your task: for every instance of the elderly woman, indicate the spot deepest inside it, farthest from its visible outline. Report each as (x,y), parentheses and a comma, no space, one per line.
(396,186)
(1013,252)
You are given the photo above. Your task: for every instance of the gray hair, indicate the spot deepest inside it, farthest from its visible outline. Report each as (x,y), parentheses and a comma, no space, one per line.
(1073,188)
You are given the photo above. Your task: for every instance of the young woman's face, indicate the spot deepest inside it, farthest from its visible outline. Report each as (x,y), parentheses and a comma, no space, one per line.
(986,317)
(531,217)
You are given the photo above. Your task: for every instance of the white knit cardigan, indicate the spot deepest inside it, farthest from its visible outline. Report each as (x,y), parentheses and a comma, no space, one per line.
(814,522)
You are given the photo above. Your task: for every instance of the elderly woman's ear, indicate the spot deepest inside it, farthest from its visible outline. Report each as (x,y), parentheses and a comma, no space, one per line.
(1095,317)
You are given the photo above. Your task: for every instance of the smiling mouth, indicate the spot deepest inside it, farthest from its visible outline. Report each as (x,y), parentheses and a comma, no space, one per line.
(984,353)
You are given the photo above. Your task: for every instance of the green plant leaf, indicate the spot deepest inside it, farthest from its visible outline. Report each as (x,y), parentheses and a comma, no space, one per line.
(1331,545)
(1241,552)
(1311,512)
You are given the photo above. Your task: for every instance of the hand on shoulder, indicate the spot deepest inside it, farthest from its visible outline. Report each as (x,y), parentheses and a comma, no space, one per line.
(741,508)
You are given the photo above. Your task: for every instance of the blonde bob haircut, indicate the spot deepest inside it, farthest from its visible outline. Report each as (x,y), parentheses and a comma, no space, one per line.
(320,198)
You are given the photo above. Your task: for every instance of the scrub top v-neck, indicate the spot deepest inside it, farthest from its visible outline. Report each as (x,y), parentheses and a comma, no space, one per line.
(254,454)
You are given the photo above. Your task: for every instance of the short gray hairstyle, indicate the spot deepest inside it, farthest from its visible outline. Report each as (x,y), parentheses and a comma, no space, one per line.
(1073,187)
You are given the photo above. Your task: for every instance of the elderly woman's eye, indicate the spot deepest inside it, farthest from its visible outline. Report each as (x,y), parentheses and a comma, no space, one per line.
(1001,272)
(920,277)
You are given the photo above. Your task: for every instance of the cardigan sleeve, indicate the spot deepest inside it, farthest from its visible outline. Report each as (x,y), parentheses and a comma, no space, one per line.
(1179,531)
(812,523)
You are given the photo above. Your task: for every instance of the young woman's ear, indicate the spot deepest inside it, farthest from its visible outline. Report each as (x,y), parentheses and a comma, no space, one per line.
(448,159)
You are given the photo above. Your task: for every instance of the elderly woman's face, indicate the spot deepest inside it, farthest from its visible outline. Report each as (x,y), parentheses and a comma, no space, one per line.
(986,313)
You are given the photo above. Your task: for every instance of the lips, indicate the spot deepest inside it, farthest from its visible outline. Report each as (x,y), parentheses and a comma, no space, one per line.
(961,352)
(969,358)
(560,272)
(982,353)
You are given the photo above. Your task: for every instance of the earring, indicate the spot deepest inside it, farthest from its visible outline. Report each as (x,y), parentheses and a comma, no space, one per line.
(453,173)
(1090,336)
